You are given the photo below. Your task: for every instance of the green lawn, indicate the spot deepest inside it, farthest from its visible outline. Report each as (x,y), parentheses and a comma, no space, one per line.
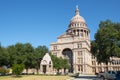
(35,77)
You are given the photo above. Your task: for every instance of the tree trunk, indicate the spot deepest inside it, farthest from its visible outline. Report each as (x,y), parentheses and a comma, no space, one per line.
(26,70)
(37,71)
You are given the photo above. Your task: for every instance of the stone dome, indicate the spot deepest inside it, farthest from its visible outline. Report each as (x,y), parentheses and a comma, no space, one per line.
(77,18)
(77,21)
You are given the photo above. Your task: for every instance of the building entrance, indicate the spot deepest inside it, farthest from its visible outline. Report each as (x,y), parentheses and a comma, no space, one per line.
(44,69)
(68,54)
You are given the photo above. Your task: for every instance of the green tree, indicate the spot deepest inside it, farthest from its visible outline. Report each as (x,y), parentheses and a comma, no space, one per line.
(65,65)
(12,54)
(19,52)
(28,48)
(17,69)
(56,62)
(41,51)
(59,63)
(19,48)
(28,56)
(29,61)
(106,41)
(22,54)
(15,53)
(4,57)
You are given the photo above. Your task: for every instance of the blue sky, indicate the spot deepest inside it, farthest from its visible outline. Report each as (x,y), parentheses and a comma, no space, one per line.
(40,22)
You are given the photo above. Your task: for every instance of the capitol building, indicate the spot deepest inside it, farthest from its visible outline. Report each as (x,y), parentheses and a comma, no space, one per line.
(75,45)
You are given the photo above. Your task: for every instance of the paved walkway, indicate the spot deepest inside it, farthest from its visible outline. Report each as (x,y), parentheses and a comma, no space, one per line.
(85,77)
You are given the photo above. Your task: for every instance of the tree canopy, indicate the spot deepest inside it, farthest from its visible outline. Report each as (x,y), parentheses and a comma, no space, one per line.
(4,57)
(107,41)
(25,54)
(60,63)
(22,54)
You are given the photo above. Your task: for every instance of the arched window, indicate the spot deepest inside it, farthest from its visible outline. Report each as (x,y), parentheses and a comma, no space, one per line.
(50,64)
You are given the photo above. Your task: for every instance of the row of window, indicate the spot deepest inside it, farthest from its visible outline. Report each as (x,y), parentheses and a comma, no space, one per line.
(81,34)
(78,46)
(113,62)
(78,25)
(100,69)
(117,62)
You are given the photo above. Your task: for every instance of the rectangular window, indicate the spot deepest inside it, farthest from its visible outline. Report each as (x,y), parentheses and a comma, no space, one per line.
(80,60)
(93,62)
(79,45)
(78,67)
(93,69)
(93,57)
(55,47)
(81,34)
(99,69)
(79,53)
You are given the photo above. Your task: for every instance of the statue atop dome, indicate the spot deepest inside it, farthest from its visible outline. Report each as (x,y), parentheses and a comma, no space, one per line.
(77,10)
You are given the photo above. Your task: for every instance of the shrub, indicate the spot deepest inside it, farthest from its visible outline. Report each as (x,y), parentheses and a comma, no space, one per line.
(7,71)
(17,69)
(2,71)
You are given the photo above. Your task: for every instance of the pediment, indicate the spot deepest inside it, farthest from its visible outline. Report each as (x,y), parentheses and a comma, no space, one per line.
(64,35)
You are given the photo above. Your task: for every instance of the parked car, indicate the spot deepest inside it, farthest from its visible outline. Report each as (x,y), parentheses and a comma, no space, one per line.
(2,74)
(117,75)
(107,75)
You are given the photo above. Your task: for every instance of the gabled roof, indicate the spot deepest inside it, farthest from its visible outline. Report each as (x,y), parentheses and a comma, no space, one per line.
(64,35)
(46,59)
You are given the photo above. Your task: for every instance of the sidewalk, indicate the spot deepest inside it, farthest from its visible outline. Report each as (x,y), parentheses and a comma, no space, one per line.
(85,77)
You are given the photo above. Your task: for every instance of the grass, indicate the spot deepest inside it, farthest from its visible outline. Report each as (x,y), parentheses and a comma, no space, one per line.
(35,77)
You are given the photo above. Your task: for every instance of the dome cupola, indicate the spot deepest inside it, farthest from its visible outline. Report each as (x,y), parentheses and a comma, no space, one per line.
(78,25)
(77,17)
